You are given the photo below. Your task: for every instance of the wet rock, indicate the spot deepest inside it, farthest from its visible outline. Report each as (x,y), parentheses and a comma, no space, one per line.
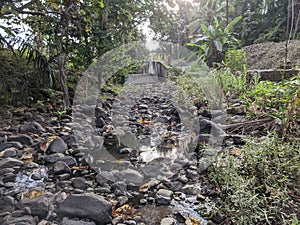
(9,177)
(167,221)
(58,146)
(69,160)
(101,113)
(10,162)
(61,167)
(26,220)
(31,127)
(105,177)
(39,206)
(6,145)
(7,204)
(191,189)
(86,206)
(239,110)
(131,176)
(67,221)
(54,157)
(212,113)
(80,183)
(22,138)
(211,127)
(10,152)
(164,197)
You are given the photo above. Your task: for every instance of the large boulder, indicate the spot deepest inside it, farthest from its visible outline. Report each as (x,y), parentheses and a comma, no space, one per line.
(86,206)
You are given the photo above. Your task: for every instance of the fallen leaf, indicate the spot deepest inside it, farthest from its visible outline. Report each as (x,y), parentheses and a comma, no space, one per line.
(44,146)
(191,221)
(27,157)
(31,194)
(126,211)
(80,167)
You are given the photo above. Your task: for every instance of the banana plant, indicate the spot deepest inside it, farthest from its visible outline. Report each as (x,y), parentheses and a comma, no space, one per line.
(215,40)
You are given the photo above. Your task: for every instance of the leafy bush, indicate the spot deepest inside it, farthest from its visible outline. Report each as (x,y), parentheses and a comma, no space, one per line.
(280,100)
(260,183)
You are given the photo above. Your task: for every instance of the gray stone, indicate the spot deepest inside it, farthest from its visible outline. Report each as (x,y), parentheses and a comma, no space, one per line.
(105,177)
(6,145)
(80,183)
(54,157)
(101,113)
(86,206)
(164,197)
(131,176)
(211,127)
(61,167)
(23,220)
(31,127)
(167,221)
(10,152)
(58,146)
(67,221)
(70,161)
(22,138)
(39,206)
(10,163)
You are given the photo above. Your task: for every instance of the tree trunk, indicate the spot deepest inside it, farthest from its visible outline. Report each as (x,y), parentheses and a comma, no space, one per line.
(61,61)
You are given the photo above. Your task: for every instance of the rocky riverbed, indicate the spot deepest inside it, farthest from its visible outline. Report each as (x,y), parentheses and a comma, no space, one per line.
(149,169)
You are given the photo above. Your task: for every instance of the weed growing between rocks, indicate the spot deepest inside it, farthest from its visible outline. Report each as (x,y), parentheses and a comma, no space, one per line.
(259,183)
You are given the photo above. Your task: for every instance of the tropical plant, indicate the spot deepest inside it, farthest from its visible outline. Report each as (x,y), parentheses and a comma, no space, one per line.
(215,40)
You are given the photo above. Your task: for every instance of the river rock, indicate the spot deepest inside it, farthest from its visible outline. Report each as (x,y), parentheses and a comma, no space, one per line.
(31,127)
(26,220)
(67,221)
(86,206)
(210,127)
(105,177)
(39,206)
(164,197)
(131,176)
(10,162)
(10,152)
(6,145)
(101,113)
(69,160)
(58,146)
(61,167)
(167,221)
(54,157)
(22,138)
(80,183)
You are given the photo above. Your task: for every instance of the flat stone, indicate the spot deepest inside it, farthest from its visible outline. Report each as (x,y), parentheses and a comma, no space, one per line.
(67,221)
(131,176)
(58,146)
(86,206)
(39,206)
(26,220)
(6,145)
(54,157)
(10,152)
(31,127)
(164,196)
(167,221)
(22,138)
(80,183)
(61,167)
(69,160)
(10,162)
(105,177)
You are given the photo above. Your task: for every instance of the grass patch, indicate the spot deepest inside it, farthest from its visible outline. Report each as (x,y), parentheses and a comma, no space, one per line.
(259,183)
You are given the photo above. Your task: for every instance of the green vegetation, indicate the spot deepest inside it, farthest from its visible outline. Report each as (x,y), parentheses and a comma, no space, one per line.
(259,183)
